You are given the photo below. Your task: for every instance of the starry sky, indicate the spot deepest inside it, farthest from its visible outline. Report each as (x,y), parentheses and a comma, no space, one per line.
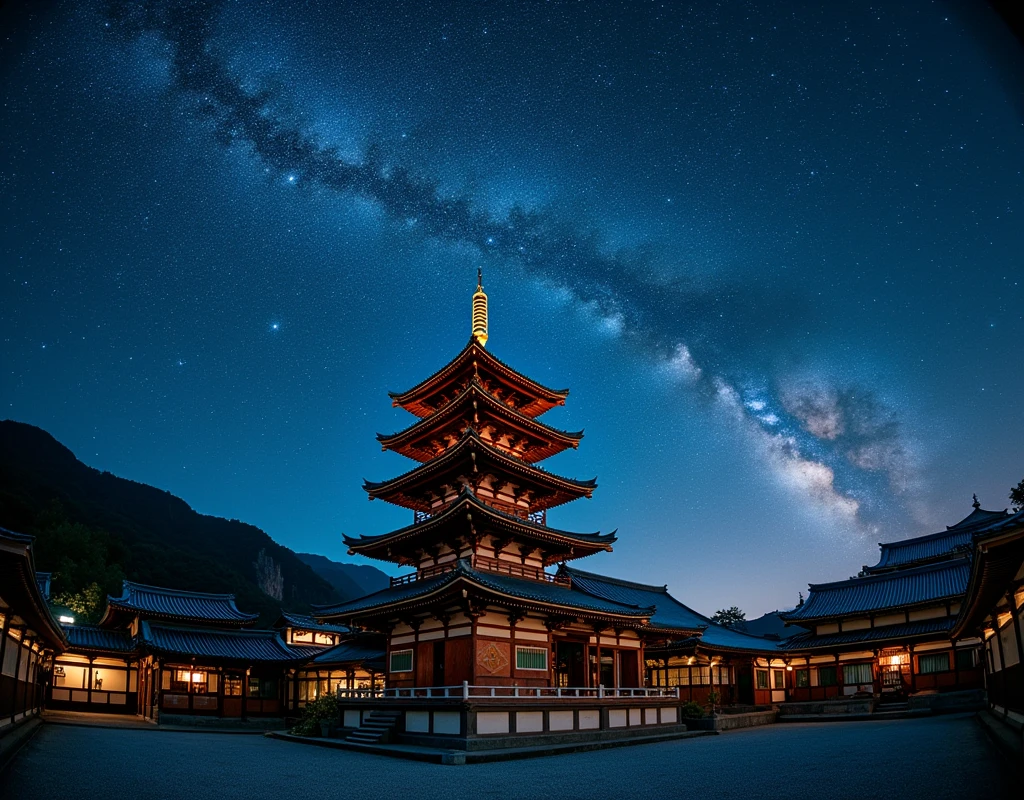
(774,249)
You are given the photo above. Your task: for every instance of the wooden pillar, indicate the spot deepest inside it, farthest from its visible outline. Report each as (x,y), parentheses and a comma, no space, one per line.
(1015,622)
(956,666)
(913,672)
(245,693)
(17,666)
(1002,660)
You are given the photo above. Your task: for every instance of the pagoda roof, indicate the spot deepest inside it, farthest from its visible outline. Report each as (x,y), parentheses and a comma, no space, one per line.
(934,546)
(174,604)
(239,646)
(99,640)
(928,628)
(998,560)
(903,588)
(669,614)
(563,490)
(555,440)
(538,594)
(306,623)
(372,546)
(472,358)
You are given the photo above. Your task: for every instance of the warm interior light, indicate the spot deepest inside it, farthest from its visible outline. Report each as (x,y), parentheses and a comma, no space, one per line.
(197,677)
(788,668)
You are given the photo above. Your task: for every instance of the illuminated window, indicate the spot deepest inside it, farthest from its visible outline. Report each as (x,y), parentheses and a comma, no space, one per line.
(232,686)
(779,678)
(531,658)
(401,661)
(762,678)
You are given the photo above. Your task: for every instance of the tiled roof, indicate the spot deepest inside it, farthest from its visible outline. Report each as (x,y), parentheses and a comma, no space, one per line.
(475,350)
(354,652)
(998,557)
(537,591)
(468,498)
(90,637)
(23,600)
(472,441)
(887,590)
(669,613)
(302,622)
(956,538)
(247,646)
(177,604)
(909,630)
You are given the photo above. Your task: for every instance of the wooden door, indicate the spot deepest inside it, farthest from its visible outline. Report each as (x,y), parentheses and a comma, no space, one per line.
(458,660)
(629,670)
(425,664)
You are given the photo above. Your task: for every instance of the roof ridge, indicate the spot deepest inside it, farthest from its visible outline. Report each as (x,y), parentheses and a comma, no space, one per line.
(879,577)
(617,581)
(169,590)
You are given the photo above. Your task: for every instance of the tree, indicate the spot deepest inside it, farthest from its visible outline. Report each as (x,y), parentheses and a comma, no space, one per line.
(729,617)
(1017,496)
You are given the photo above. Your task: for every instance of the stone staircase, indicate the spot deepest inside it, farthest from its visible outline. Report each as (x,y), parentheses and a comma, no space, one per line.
(376,728)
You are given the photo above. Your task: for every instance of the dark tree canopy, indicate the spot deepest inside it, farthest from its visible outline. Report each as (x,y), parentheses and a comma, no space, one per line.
(1017,496)
(729,617)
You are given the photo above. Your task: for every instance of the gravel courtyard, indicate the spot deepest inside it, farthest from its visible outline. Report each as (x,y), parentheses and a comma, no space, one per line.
(944,757)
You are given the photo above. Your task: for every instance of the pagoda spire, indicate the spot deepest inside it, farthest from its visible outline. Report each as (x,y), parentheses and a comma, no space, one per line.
(480,309)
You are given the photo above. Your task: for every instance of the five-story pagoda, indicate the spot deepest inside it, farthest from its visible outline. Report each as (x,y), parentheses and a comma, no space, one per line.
(480,606)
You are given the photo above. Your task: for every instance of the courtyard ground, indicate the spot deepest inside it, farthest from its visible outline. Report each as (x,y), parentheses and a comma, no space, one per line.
(933,758)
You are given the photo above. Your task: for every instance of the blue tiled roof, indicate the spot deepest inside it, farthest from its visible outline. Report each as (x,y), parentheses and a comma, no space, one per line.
(89,637)
(353,652)
(887,590)
(669,613)
(956,538)
(542,592)
(177,604)
(908,630)
(302,622)
(229,645)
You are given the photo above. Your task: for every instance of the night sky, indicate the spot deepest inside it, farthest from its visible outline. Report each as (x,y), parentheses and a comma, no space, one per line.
(774,250)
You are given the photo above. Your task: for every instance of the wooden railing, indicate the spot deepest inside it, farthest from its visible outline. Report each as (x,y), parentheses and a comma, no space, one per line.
(468,692)
(486,564)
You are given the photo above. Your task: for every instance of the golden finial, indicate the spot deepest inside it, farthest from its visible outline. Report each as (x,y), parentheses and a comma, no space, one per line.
(480,310)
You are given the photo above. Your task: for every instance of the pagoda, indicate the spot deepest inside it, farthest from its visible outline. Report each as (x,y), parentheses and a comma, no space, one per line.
(480,605)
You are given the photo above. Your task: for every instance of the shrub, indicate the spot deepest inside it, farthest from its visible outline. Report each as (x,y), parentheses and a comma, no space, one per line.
(693,710)
(324,707)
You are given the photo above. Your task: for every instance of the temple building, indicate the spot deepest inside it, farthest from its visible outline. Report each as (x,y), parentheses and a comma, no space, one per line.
(888,632)
(29,635)
(686,651)
(993,608)
(480,605)
(159,651)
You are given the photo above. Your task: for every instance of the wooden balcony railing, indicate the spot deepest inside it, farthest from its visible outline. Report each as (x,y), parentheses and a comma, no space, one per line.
(486,564)
(468,692)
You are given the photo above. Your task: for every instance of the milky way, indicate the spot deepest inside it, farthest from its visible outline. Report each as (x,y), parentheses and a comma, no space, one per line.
(801,224)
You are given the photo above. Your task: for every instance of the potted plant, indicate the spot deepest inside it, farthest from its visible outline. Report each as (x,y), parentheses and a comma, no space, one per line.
(318,717)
